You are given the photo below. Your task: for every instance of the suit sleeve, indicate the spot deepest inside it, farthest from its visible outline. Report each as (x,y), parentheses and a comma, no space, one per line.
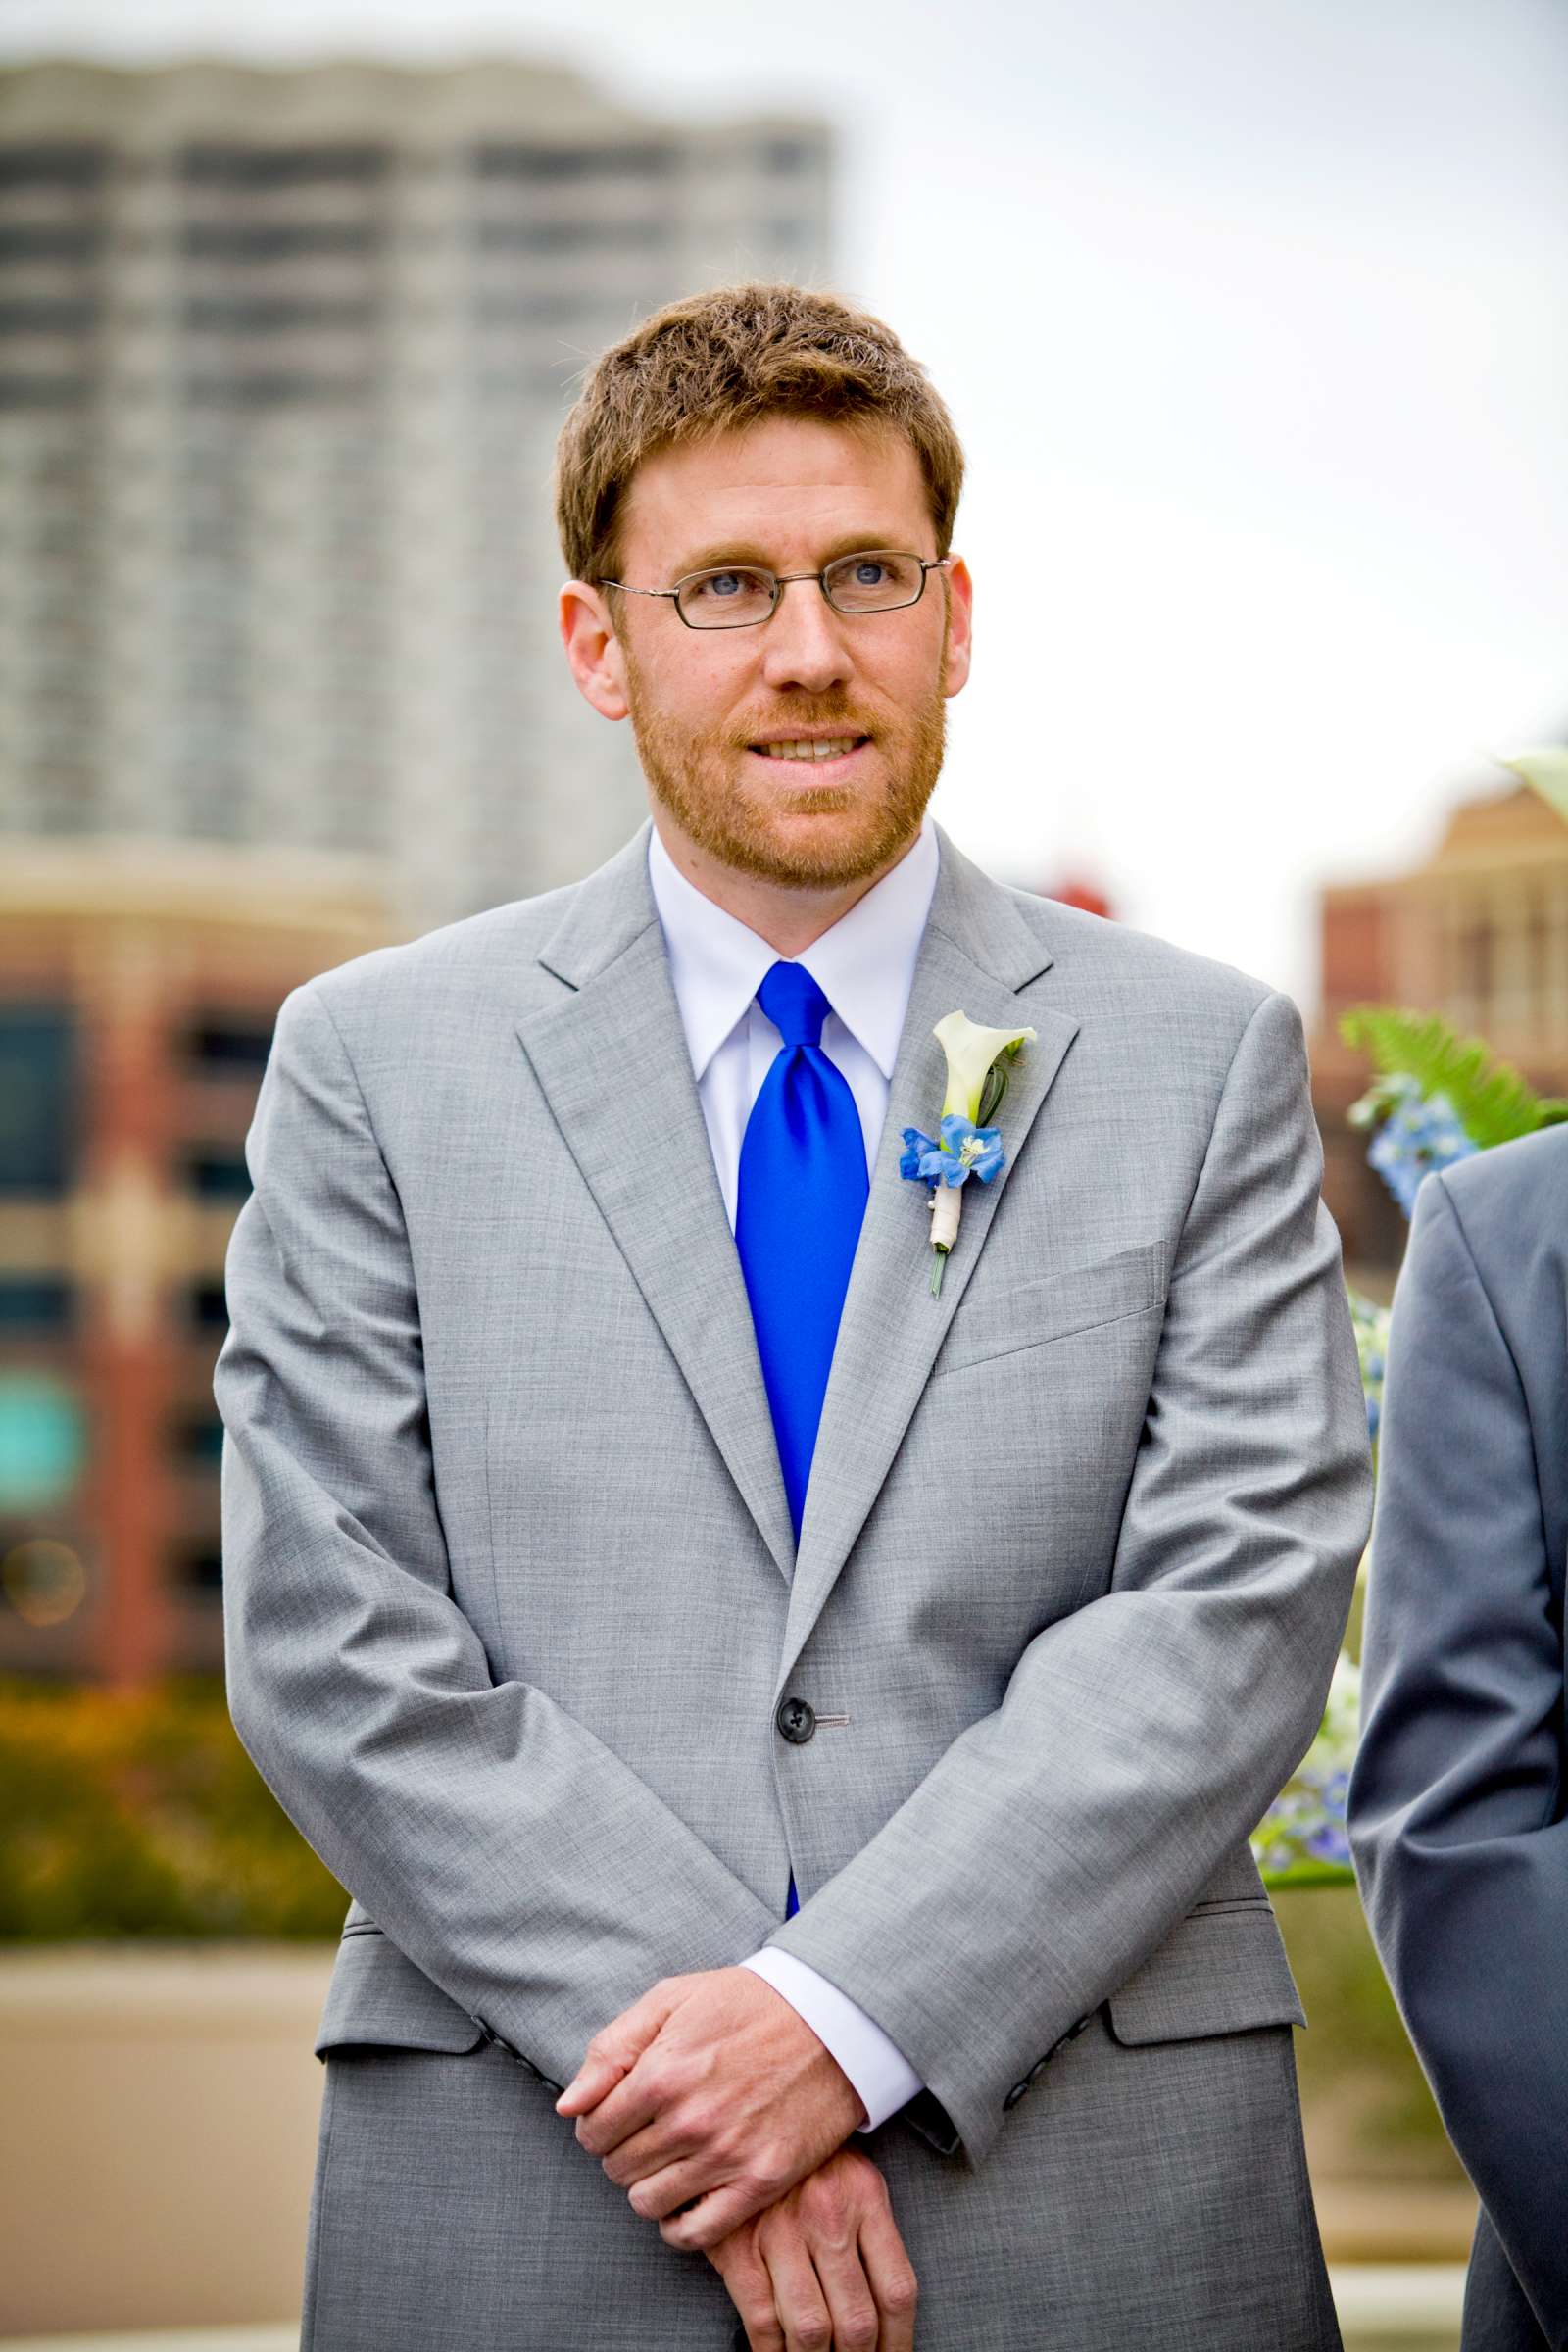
(509,1854)
(1457,1797)
(1059,1838)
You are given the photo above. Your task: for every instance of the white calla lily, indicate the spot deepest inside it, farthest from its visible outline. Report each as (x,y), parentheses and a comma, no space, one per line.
(1545,766)
(970,1051)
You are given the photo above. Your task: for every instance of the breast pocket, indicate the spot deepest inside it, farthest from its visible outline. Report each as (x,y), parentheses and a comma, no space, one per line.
(1002,1319)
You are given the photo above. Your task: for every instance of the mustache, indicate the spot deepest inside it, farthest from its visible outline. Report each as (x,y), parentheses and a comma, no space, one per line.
(784,725)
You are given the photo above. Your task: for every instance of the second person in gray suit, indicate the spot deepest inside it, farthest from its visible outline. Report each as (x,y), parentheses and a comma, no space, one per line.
(1459,1797)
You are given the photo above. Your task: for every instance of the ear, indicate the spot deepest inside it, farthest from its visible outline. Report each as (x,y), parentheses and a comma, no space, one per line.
(960,623)
(593,649)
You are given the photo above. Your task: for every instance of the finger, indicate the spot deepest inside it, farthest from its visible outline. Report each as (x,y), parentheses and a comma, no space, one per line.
(630,2106)
(716,2214)
(890,2273)
(616,2049)
(847,2292)
(751,2291)
(653,2149)
(663,2191)
(797,2297)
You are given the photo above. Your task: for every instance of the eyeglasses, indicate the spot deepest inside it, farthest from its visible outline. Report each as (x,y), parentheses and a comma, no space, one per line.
(741,596)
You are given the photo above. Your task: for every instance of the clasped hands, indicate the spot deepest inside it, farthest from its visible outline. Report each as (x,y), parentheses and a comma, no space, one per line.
(721,2113)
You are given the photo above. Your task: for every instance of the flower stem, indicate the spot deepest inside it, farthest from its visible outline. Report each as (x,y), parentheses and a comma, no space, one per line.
(939,1259)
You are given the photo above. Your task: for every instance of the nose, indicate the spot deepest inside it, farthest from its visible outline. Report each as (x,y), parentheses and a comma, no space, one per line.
(805,643)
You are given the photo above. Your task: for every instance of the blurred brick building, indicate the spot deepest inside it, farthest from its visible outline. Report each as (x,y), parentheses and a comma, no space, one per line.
(1479,935)
(138,988)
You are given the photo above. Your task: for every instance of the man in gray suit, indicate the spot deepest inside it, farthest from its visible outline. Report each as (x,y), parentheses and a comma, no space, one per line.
(814,1716)
(1457,1797)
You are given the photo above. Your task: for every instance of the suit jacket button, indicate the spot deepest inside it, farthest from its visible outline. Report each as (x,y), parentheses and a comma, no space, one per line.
(796,1721)
(1013,2097)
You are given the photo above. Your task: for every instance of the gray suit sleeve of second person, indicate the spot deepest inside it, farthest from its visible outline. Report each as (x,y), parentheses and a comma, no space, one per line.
(358,1687)
(1457,1811)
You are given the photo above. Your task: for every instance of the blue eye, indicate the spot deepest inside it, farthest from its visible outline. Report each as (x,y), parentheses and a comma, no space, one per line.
(868,573)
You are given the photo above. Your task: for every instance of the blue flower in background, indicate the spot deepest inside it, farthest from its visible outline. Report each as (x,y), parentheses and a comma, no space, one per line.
(1421,1133)
(964,1151)
(1302,1837)
(1329,1839)
(1370,1323)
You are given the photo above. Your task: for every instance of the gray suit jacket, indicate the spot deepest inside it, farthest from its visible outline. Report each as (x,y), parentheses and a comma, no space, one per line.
(1458,1798)
(511,1599)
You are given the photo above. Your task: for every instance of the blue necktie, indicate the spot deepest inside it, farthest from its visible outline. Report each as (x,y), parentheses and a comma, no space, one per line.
(801,1202)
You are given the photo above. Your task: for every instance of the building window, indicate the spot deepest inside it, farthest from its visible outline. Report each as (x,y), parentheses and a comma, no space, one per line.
(216,167)
(633,159)
(40,318)
(225,1047)
(209,1308)
(1475,973)
(48,392)
(280,388)
(37,1100)
(273,315)
(52,163)
(197,1569)
(35,1303)
(48,241)
(198,1441)
(218,1172)
(277,240)
(574,236)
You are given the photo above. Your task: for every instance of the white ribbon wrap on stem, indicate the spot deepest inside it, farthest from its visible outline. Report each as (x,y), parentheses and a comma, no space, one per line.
(947,1202)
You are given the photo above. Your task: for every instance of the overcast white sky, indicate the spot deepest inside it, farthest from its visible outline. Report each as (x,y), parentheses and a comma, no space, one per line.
(1253,317)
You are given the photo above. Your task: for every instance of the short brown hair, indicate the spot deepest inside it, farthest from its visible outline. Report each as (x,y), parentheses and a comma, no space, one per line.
(714,361)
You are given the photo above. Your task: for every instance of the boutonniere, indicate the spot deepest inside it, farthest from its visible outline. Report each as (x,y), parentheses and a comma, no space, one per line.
(963,1144)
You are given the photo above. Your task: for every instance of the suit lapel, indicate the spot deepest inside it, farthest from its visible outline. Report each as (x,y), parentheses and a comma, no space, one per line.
(611,1058)
(977,953)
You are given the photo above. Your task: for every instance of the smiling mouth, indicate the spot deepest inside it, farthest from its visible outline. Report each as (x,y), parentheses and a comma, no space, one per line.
(811,751)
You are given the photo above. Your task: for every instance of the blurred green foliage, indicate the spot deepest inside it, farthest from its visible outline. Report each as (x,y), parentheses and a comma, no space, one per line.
(140,1814)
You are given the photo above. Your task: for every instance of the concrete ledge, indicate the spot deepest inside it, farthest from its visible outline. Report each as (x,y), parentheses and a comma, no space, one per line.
(156,2135)
(163,2340)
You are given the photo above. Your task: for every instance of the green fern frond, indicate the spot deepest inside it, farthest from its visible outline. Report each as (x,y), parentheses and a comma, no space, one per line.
(1491,1101)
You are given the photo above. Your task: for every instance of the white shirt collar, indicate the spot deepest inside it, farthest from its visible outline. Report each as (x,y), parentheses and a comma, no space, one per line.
(864,964)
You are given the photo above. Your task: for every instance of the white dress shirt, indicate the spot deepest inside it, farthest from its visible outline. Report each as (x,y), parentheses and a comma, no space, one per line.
(865,965)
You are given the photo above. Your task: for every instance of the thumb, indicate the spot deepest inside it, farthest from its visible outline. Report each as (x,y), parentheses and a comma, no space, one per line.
(616,2049)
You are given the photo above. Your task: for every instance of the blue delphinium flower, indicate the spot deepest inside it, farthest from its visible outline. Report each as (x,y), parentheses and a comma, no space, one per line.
(1329,1839)
(964,1151)
(1421,1133)
(916,1148)
(1304,1830)
(1370,1323)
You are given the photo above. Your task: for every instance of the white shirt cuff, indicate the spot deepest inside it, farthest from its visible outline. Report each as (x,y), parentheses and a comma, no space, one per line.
(876,2068)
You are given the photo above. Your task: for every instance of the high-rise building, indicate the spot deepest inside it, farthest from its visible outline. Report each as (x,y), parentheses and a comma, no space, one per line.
(283,360)
(1479,935)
